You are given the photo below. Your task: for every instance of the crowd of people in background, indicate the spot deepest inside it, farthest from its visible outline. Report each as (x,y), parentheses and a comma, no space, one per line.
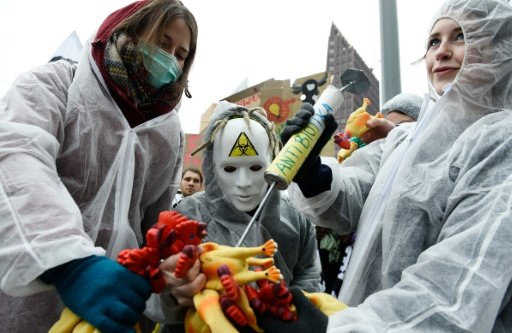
(418,220)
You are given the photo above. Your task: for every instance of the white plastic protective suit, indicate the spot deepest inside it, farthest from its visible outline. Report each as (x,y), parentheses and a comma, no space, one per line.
(432,205)
(75,180)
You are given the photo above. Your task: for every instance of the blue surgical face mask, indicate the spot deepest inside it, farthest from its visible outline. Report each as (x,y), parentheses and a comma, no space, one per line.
(162,67)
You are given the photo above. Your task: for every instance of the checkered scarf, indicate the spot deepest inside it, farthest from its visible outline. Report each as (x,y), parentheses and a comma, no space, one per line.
(124,64)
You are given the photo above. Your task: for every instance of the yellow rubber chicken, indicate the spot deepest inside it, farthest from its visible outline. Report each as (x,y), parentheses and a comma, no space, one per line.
(350,140)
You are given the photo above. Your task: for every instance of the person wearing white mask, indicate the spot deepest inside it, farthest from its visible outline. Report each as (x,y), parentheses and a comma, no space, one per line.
(432,202)
(239,146)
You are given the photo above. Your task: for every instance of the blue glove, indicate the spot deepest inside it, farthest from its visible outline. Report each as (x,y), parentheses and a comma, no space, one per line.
(312,177)
(101,291)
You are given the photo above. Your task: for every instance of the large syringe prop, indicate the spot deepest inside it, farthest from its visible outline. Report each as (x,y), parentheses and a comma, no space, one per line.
(287,163)
(291,157)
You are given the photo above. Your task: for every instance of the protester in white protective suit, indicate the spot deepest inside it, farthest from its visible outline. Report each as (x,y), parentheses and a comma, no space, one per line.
(87,154)
(239,146)
(431,203)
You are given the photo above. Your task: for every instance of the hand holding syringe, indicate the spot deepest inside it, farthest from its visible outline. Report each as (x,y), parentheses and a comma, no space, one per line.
(287,163)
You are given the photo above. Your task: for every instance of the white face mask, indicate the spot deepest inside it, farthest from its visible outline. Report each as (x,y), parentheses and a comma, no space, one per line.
(242,154)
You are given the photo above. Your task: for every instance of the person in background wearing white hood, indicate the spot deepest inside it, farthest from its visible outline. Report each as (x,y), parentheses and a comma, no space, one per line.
(402,108)
(89,156)
(432,205)
(239,145)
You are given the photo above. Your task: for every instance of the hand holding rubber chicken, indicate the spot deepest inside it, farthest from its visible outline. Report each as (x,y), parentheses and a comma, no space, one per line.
(355,129)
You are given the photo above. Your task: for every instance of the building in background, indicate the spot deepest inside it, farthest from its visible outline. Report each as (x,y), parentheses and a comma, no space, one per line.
(340,56)
(275,96)
(192,141)
(281,100)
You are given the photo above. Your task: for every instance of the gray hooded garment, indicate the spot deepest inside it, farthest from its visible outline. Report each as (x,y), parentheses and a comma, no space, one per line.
(279,220)
(432,203)
(406,103)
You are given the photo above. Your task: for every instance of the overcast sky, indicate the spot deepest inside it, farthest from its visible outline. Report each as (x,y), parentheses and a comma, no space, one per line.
(238,40)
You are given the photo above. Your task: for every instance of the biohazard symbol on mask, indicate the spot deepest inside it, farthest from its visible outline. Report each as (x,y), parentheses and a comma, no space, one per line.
(243,147)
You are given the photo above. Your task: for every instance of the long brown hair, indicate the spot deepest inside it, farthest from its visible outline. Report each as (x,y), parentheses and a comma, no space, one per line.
(148,23)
